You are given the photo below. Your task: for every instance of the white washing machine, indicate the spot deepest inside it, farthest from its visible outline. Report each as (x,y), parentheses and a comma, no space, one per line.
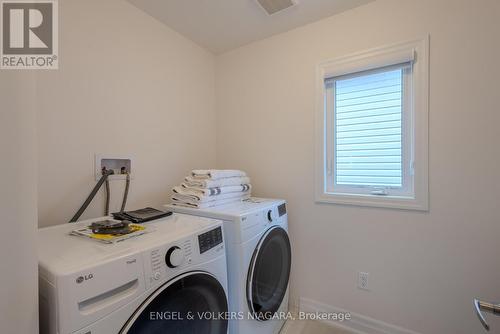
(151,283)
(259,260)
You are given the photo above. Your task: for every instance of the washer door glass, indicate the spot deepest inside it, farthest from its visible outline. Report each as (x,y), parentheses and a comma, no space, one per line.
(188,304)
(269,273)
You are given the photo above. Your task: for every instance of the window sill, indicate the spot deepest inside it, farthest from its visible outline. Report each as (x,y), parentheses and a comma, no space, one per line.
(394,202)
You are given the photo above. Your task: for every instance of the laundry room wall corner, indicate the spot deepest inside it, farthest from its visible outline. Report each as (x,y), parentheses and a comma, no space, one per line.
(18,204)
(126,85)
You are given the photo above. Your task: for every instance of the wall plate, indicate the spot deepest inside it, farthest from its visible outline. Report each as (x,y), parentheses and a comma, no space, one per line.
(115,162)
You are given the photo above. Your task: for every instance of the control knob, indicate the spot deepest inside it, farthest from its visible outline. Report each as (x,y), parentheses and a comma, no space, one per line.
(174,257)
(271,216)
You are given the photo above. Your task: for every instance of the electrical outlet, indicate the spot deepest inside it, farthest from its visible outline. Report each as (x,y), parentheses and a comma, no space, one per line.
(363,281)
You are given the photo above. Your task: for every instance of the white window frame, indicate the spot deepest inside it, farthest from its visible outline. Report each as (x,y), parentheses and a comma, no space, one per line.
(407,136)
(414,194)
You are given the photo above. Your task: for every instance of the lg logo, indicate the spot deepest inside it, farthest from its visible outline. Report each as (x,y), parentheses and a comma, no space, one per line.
(81,279)
(29,34)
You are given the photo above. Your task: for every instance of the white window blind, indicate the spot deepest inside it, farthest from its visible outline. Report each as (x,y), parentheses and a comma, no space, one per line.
(363,63)
(368,129)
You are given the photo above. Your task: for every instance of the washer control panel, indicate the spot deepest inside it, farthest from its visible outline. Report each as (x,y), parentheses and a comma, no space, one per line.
(210,239)
(162,261)
(166,259)
(156,263)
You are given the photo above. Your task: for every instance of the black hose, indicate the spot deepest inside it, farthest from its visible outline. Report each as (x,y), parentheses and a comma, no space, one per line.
(106,210)
(89,199)
(125,194)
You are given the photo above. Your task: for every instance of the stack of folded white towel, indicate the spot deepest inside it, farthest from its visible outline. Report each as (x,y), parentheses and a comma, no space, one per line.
(206,188)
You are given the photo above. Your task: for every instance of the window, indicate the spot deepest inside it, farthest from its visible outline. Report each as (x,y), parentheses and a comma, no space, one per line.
(372,134)
(369,112)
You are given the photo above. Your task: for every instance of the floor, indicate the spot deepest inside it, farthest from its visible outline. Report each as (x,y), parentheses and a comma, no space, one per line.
(311,327)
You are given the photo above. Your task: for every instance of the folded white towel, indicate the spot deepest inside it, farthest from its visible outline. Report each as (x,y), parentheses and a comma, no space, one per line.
(209,204)
(209,183)
(207,192)
(216,174)
(194,199)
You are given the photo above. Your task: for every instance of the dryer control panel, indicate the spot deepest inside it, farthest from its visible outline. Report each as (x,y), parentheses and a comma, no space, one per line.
(282,209)
(254,223)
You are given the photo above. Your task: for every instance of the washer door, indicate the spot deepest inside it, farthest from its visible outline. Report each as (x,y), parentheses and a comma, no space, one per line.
(269,273)
(168,309)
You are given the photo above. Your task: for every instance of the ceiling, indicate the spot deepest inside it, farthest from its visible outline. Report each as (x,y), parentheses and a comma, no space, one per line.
(222,25)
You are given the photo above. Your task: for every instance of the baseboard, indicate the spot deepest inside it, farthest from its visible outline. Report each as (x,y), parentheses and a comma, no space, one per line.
(358,323)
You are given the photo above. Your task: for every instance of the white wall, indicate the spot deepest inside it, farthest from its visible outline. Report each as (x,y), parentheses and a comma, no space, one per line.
(425,268)
(18,204)
(126,84)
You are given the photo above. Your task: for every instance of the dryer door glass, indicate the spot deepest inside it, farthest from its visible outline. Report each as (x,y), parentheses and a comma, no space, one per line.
(177,307)
(268,273)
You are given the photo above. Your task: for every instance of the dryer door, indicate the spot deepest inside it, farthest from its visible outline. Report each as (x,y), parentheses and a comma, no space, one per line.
(177,305)
(268,274)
